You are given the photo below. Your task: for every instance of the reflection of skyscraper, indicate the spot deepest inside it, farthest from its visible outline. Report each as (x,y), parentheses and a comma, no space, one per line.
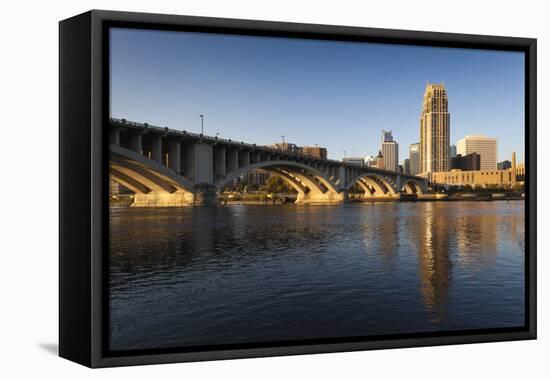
(380,234)
(434,130)
(475,231)
(433,260)
(414,156)
(390,152)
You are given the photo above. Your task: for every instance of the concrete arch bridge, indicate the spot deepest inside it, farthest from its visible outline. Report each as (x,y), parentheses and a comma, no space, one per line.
(165,167)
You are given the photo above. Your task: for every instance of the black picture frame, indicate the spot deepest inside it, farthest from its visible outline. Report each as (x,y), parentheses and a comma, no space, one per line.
(83,228)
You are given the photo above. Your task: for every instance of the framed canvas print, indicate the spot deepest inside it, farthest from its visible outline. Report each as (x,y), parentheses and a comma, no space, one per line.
(233,188)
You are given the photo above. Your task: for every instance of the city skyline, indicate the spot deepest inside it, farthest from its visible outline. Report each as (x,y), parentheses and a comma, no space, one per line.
(337,95)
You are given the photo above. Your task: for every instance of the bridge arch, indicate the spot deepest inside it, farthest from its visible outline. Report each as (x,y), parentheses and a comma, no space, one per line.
(412,187)
(152,183)
(311,184)
(373,184)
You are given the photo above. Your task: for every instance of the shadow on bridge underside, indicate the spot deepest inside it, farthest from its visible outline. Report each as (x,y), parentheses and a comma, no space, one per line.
(312,185)
(412,187)
(374,185)
(153,184)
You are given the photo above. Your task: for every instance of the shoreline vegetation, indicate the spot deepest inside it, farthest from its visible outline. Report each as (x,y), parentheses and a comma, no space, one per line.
(263,198)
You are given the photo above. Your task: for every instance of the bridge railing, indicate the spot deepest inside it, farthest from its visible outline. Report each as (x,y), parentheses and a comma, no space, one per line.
(121,122)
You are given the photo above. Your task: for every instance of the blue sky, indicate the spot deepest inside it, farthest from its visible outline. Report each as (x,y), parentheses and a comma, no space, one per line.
(339,95)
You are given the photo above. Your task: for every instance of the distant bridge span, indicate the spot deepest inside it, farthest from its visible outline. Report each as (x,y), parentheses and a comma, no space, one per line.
(165,167)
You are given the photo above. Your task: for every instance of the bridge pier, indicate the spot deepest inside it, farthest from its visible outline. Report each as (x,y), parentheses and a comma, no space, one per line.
(177,199)
(205,196)
(319,199)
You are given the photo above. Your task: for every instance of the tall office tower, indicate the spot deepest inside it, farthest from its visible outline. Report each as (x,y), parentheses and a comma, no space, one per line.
(414,157)
(390,152)
(485,146)
(407,166)
(435,130)
(452,151)
(386,136)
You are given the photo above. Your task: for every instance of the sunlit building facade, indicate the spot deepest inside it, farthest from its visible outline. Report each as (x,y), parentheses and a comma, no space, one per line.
(485,146)
(504,178)
(314,151)
(435,130)
(390,152)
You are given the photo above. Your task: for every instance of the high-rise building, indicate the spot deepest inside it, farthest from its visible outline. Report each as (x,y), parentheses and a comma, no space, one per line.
(435,130)
(414,157)
(386,136)
(452,151)
(407,166)
(390,152)
(485,146)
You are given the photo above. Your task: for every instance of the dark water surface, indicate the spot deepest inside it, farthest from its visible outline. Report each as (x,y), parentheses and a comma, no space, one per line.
(234,274)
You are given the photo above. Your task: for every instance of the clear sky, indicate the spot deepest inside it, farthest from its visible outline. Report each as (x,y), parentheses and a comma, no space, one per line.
(339,95)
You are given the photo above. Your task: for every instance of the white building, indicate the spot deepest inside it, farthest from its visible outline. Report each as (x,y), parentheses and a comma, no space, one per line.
(390,153)
(485,146)
(359,161)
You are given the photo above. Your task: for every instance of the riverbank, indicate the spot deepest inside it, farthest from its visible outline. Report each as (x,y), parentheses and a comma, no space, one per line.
(127,200)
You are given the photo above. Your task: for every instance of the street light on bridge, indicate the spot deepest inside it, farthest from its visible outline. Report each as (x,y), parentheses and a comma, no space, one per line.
(202,124)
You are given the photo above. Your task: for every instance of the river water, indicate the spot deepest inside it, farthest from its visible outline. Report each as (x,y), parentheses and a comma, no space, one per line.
(237,274)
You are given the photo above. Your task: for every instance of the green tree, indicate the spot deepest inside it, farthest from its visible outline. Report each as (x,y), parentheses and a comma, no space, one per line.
(275,184)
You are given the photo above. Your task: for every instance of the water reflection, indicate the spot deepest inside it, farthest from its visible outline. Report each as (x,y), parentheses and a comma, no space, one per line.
(435,266)
(195,276)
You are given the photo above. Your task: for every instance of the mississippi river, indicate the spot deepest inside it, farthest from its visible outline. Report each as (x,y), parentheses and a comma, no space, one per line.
(238,274)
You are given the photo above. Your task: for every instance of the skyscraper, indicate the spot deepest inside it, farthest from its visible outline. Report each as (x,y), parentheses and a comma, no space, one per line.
(485,146)
(407,166)
(386,136)
(390,152)
(452,151)
(414,157)
(435,130)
